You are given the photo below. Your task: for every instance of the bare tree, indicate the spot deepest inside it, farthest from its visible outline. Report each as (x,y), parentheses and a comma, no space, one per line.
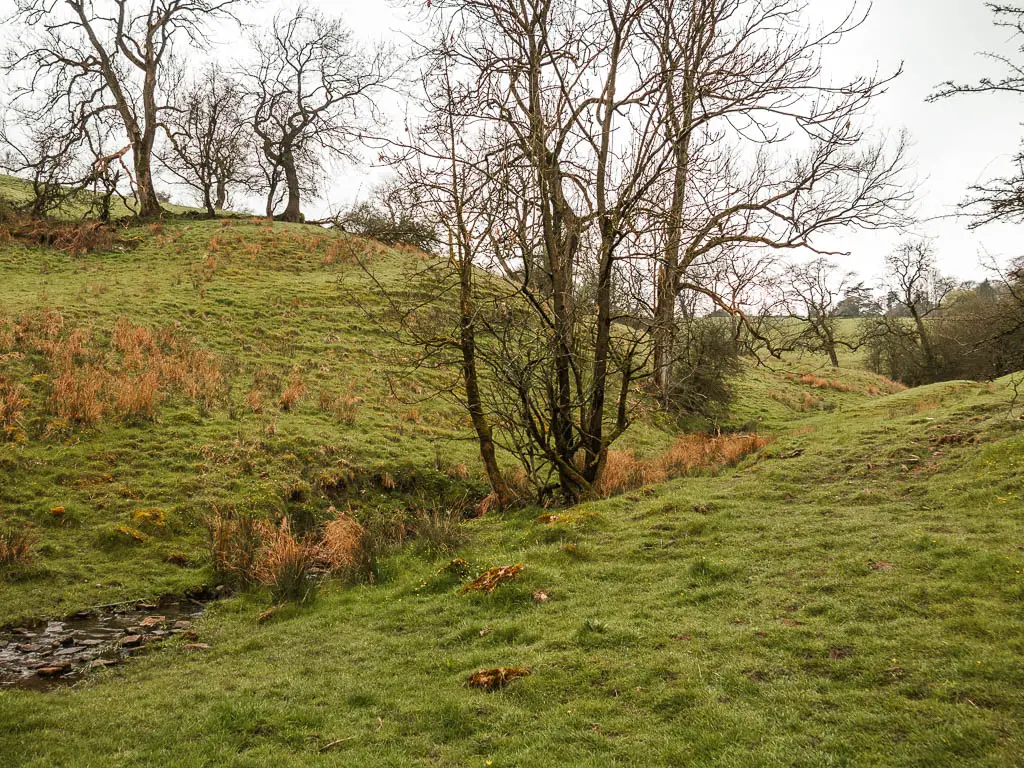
(744,92)
(815,291)
(601,136)
(902,342)
(1000,198)
(49,155)
(210,142)
(314,93)
(107,56)
(540,151)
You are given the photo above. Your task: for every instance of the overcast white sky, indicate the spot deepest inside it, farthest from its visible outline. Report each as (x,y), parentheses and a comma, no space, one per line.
(955,142)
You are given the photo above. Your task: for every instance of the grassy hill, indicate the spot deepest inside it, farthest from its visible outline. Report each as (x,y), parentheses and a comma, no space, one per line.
(849,595)
(241,313)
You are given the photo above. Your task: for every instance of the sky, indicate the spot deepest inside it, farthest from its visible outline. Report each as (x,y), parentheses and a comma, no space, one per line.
(955,142)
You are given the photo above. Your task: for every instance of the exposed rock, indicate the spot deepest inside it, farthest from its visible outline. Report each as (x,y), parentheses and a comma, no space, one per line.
(181,626)
(151,622)
(196,647)
(54,670)
(131,641)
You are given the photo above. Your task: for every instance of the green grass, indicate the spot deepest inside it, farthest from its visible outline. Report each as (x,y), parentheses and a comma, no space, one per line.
(263,314)
(792,648)
(852,595)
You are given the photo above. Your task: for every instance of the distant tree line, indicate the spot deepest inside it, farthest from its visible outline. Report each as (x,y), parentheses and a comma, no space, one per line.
(917,326)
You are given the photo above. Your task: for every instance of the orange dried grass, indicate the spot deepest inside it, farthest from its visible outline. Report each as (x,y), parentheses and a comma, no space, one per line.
(344,407)
(137,396)
(341,544)
(13,403)
(88,382)
(285,562)
(78,394)
(822,383)
(294,392)
(624,471)
(254,401)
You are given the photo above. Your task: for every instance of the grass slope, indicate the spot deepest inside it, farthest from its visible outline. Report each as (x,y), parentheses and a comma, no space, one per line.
(268,301)
(851,595)
(856,604)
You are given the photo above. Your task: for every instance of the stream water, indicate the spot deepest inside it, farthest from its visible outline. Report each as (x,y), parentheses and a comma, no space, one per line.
(61,652)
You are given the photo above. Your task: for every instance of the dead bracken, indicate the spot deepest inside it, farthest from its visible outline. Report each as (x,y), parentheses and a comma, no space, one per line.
(489,580)
(499,677)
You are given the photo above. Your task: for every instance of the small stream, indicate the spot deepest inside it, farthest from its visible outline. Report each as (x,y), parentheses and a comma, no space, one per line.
(61,652)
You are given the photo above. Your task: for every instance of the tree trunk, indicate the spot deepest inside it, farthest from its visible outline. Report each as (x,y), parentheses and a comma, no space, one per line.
(292,211)
(467,342)
(149,206)
(926,343)
(832,356)
(208,202)
(222,195)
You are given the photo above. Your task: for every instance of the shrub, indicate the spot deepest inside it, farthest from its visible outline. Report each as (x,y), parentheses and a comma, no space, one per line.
(285,564)
(294,392)
(235,544)
(390,222)
(707,358)
(13,403)
(16,546)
